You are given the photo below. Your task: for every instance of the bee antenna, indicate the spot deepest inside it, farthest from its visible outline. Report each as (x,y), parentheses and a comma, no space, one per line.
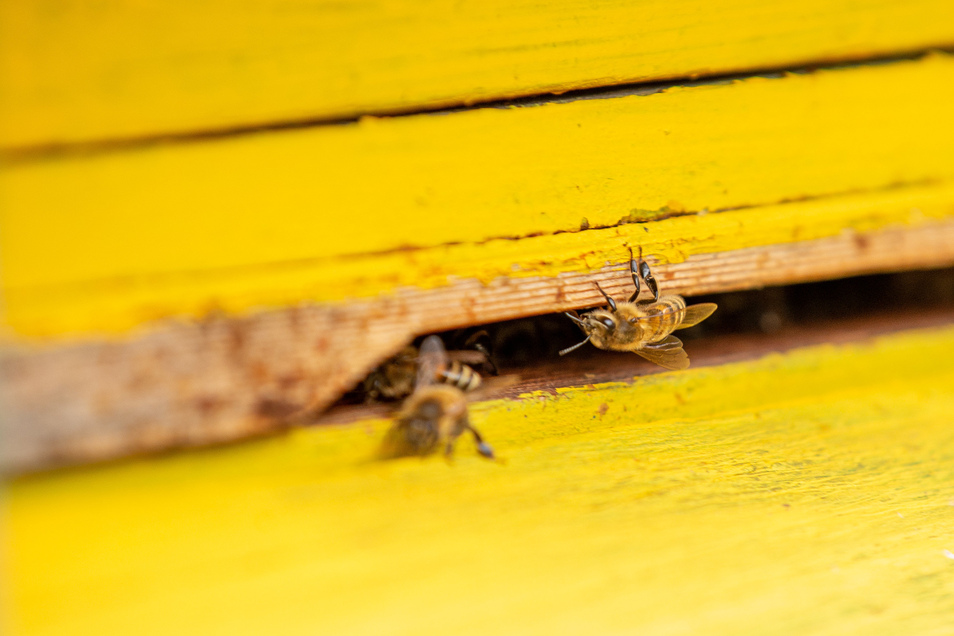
(574,347)
(574,318)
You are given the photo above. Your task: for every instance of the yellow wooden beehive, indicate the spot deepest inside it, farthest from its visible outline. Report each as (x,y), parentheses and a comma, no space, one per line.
(217,218)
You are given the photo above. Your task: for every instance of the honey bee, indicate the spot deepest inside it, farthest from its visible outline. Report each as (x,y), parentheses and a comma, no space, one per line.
(646,327)
(396,378)
(434,415)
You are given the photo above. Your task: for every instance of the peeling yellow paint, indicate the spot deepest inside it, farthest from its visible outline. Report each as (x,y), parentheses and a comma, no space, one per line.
(126,303)
(106,243)
(806,492)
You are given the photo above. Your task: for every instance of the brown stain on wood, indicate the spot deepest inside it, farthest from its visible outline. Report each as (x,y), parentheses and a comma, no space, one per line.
(276,409)
(226,378)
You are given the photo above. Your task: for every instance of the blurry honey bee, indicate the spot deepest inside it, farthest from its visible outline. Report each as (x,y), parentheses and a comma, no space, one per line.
(435,415)
(646,327)
(396,378)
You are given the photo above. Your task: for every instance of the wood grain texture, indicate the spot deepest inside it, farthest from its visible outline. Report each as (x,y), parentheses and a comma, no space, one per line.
(72,72)
(800,493)
(107,243)
(227,378)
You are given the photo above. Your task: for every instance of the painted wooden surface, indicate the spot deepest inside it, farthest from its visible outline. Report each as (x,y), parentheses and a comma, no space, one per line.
(228,377)
(804,493)
(192,293)
(74,72)
(105,242)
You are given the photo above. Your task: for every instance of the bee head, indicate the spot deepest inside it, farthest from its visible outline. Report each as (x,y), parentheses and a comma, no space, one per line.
(599,321)
(599,325)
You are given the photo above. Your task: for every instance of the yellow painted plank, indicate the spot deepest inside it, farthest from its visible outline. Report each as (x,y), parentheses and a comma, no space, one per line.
(225,378)
(117,306)
(73,72)
(800,493)
(282,205)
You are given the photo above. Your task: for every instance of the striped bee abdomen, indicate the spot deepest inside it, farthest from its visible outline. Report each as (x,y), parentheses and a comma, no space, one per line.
(461,376)
(662,317)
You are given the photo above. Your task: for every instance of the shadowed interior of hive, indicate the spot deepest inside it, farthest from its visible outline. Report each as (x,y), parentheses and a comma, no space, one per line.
(747,324)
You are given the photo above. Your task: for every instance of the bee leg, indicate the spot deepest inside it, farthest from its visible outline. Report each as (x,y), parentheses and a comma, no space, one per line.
(481,343)
(609,299)
(482,447)
(645,272)
(650,279)
(490,361)
(632,271)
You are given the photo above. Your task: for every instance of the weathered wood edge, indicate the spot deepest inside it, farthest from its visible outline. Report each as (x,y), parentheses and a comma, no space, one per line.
(227,378)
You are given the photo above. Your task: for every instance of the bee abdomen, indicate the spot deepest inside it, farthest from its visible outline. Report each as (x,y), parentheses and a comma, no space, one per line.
(667,314)
(461,376)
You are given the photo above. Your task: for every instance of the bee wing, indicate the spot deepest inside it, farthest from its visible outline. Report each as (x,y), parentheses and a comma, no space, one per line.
(431,358)
(467,357)
(688,317)
(668,353)
(494,387)
(394,444)
(694,314)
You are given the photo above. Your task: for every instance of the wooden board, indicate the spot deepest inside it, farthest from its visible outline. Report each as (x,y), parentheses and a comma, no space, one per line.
(74,73)
(799,493)
(225,378)
(106,243)
(201,292)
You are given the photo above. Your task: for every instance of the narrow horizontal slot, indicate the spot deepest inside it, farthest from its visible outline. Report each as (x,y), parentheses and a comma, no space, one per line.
(748,325)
